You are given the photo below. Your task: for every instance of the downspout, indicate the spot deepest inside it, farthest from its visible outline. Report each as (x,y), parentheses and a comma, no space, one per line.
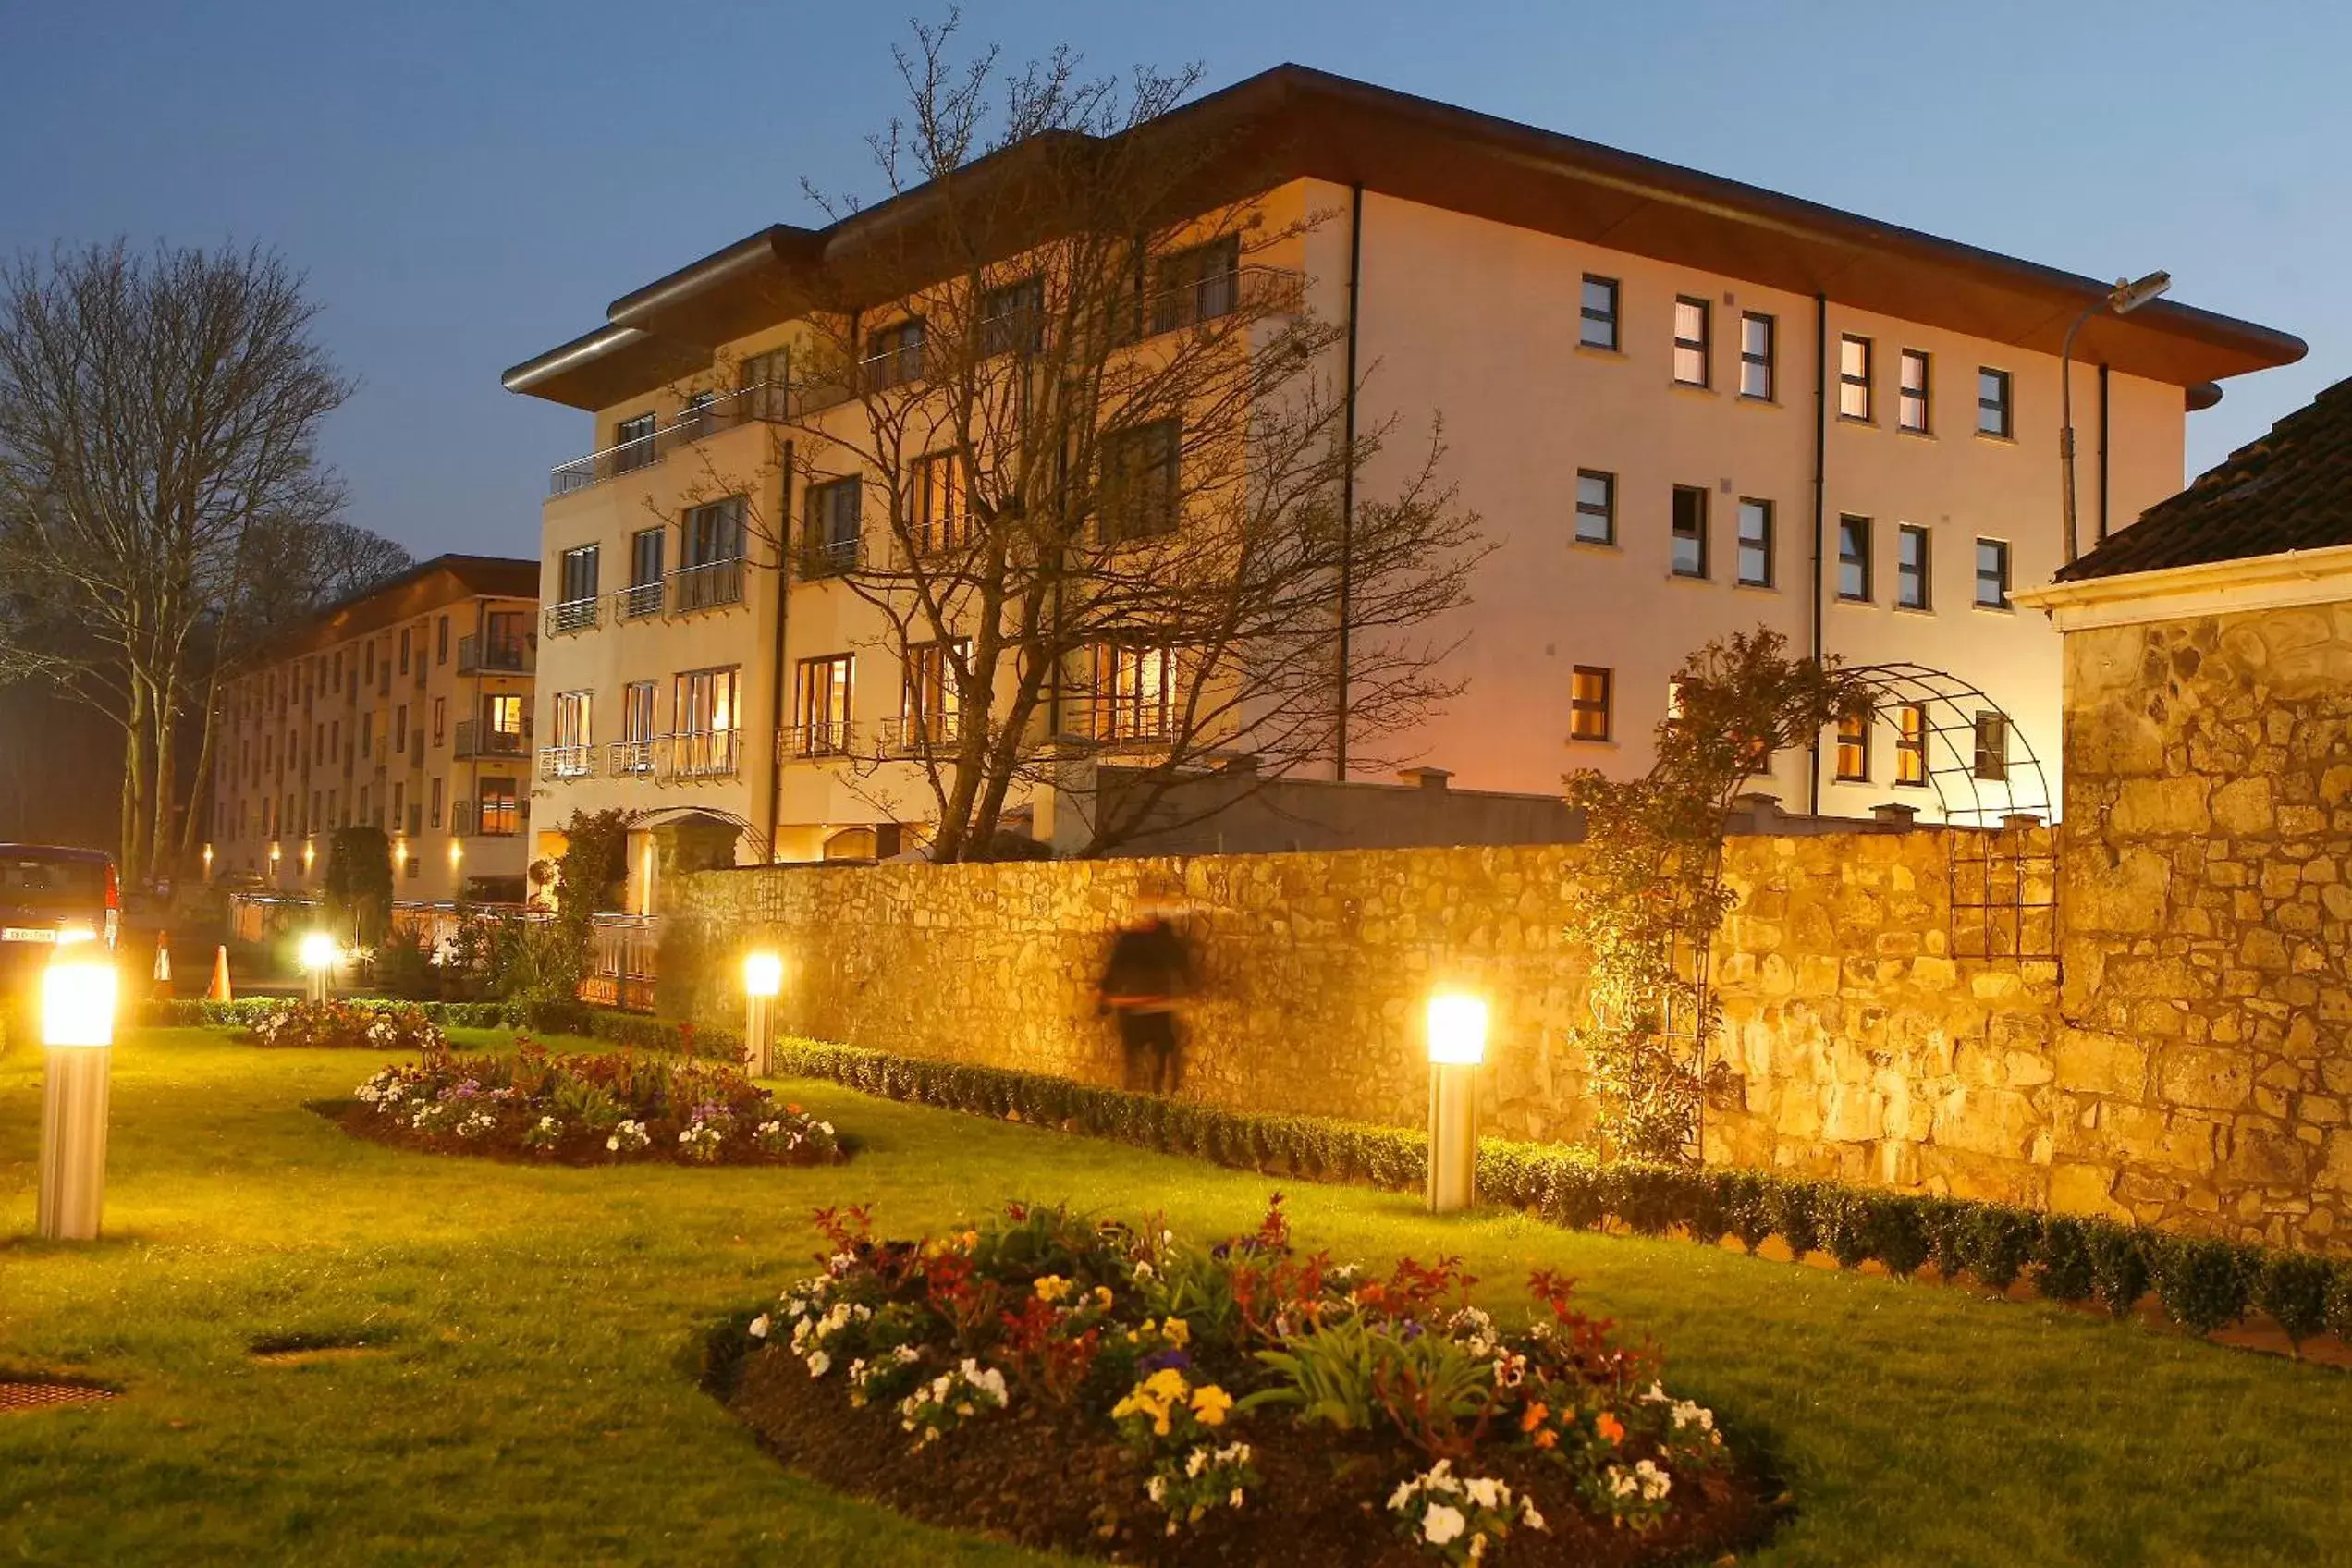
(775,671)
(2102,451)
(1820,506)
(1347,479)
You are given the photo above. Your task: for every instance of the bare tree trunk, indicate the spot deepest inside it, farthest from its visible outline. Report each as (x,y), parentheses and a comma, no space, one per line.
(192,828)
(134,797)
(166,708)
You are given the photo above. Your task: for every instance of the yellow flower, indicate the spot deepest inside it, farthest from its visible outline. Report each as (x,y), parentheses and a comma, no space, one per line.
(1179,1332)
(1052,1287)
(1166,1384)
(1102,1297)
(1210,1403)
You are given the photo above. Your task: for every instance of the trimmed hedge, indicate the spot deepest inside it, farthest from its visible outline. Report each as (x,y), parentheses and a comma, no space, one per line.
(2203,1284)
(633,1030)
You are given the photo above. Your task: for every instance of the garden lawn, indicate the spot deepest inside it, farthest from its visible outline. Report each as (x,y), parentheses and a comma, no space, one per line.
(528,1394)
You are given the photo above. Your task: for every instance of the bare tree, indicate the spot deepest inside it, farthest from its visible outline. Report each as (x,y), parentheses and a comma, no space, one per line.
(158,417)
(1090,461)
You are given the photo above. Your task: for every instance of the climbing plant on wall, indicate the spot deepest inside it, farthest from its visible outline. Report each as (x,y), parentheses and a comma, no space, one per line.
(1657,850)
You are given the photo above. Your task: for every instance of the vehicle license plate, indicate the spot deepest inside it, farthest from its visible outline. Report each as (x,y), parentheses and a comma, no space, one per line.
(26,934)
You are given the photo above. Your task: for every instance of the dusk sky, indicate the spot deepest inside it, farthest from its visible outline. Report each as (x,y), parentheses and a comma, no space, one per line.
(468,184)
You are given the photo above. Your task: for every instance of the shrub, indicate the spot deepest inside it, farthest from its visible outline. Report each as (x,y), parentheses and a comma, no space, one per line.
(2118,1266)
(2339,1301)
(1848,1221)
(2204,1283)
(2000,1244)
(1795,1214)
(1749,1199)
(2062,1266)
(1902,1235)
(2293,1288)
(1948,1222)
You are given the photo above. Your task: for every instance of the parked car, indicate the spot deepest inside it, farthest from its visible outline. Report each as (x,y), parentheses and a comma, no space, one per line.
(51,896)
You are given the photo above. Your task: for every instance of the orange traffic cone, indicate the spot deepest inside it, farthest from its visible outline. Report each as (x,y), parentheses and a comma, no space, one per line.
(220,992)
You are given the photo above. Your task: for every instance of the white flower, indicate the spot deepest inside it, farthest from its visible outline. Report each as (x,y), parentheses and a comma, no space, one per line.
(1235,1500)
(825,1127)
(819,1364)
(1143,1271)
(1399,1498)
(1487,1492)
(1441,1524)
(758,1328)
(1527,1514)
(1155,1489)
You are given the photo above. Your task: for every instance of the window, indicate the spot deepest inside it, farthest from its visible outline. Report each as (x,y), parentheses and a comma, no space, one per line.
(1135,690)
(1690,341)
(1992,747)
(834,526)
(1911,406)
(766,383)
(1194,286)
(579,574)
(633,442)
(821,707)
(574,734)
(404,650)
(1596,507)
(1912,571)
(1756,356)
(433,816)
(1597,327)
(1911,745)
(1854,378)
(498,814)
(1854,560)
(441,641)
(712,534)
(502,715)
(1992,574)
(644,595)
(942,519)
(503,632)
(440,719)
(1754,543)
(894,356)
(1012,318)
(367,738)
(705,714)
(399,807)
(367,650)
(1588,703)
(637,712)
(1854,748)
(928,704)
(1992,402)
(1690,531)
(1140,468)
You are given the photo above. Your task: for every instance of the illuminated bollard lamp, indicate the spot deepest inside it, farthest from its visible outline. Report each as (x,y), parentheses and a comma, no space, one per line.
(78,994)
(762,981)
(318,954)
(1457,1045)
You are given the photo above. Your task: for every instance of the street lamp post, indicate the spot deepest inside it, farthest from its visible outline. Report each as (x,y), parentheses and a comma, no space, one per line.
(763,979)
(318,955)
(2127,296)
(1457,1045)
(78,996)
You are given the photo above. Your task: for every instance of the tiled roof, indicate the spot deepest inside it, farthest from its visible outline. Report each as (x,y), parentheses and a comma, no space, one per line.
(2290,490)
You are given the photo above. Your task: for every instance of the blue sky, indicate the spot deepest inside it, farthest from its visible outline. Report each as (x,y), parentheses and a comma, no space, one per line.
(467,183)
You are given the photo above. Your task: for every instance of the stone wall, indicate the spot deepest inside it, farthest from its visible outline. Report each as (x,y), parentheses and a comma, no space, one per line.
(1861,1043)
(2208,898)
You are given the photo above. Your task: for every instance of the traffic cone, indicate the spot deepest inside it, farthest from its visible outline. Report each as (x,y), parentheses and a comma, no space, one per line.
(220,992)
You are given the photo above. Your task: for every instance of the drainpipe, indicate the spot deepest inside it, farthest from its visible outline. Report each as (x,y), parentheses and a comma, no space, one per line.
(2102,451)
(1347,478)
(1821,504)
(776,673)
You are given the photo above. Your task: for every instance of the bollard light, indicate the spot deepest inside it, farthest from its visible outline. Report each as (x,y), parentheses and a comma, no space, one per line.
(77,997)
(762,981)
(1457,1045)
(319,953)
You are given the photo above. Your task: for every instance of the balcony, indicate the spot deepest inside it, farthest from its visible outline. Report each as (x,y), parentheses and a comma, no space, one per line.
(567,762)
(826,738)
(637,602)
(478,655)
(907,735)
(768,401)
(706,587)
(495,818)
(575,615)
(704,754)
(1254,292)
(474,740)
(632,759)
(829,558)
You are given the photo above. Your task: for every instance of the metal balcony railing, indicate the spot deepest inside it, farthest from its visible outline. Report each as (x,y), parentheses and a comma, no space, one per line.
(922,734)
(829,558)
(475,739)
(493,818)
(478,655)
(1245,291)
(702,754)
(638,601)
(769,401)
(575,615)
(706,586)
(632,759)
(826,738)
(567,762)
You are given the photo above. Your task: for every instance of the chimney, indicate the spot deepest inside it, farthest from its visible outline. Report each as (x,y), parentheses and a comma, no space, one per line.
(1426,777)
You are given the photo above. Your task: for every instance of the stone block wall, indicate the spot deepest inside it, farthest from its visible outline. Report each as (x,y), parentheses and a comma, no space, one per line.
(2207,900)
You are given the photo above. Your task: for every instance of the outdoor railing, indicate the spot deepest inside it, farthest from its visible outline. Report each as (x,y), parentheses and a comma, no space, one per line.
(574,615)
(710,753)
(917,734)
(829,558)
(638,601)
(769,401)
(1245,290)
(475,739)
(706,586)
(631,759)
(567,762)
(477,655)
(826,738)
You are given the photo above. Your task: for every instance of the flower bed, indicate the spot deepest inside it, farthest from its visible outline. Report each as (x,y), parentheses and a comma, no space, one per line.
(589,1109)
(338,1025)
(1105,1390)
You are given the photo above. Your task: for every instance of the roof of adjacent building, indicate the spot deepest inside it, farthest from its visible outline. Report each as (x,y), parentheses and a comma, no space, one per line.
(1295,122)
(424,588)
(2290,490)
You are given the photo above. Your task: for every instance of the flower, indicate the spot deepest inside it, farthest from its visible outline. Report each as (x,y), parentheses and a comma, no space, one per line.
(1053,1286)
(1611,1431)
(1533,1520)
(819,1364)
(1178,1331)
(758,1328)
(1441,1524)
(1532,1417)
(1210,1403)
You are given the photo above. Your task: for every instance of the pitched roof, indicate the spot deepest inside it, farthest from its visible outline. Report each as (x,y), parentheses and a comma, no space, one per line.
(426,586)
(1293,121)
(2290,490)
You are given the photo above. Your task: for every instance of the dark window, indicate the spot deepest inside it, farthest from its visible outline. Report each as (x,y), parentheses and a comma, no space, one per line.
(1911,410)
(1756,356)
(1141,469)
(1854,378)
(835,526)
(1992,747)
(435,816)
(1690,531)
(1194,286)
(578,575)
(766,383)
(1596,507)
(712,534)
(1588,703)
(894,357)
(1754,543)
(1012,319)
(942,519)
(645,548)
(441,641)
(1992,402)
(633,442)
(1854,748)
(1911,744)
(1597,327)
(1691,326)
(404,650)
(440,719)
(1992,574)
(1913,568)
(1854,558)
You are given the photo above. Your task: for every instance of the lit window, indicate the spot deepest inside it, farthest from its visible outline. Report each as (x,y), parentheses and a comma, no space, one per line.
(1911,744)
(1588,703)
(1854,560)
(1911,410)
(1754,543)
(1854,748)
(1992,402)
(1136,692)
(1690,531)
(1756,356)
(1911,566)
(1690,341)
(942,516)
(1854,378)
(1596,507)
(1992,574)
(1992,747)
(821,707)
(1598,328)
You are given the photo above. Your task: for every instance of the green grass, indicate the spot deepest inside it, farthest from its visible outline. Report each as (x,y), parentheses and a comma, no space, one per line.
(533,1403)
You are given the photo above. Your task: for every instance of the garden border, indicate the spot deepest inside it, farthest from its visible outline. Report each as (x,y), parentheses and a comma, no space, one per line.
(630,1029)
